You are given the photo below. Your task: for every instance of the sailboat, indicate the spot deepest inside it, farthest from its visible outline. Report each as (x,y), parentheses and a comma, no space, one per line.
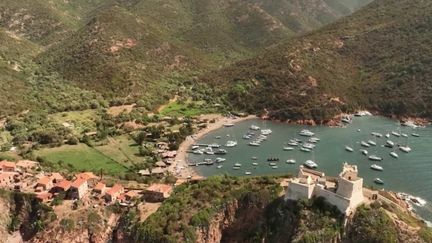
(405,148)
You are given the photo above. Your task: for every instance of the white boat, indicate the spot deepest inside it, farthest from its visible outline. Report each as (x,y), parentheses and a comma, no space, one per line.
(415,135)
(349,149)
(377,134)
(310,164)
(370,142)
(214,145)
(306,133)
(209,152)
(291,161)
(248,173)
(376,167)
(364,151)
(405,149)
(396,134)
(199,152)
(195,147)
(309,146)
(219,166)
(266,131)
(379,181)
(231,143)
(254,158)
(254,143)
(394,155)
(228,124)
(288,148)
(220,160)
(390,143)
(255,164)
(404,135)
(364,144)
(237,165)
(218,137)
(236,168)
(346,119)
(409,124)
(254,127)
(272,164)
(315,138)
(274,167)
(221,151)
(305,149)
(375,158)
(387,135)
(246,136)
(292,143)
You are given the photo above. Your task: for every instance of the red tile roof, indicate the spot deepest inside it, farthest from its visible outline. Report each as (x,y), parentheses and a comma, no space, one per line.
(115,189)
(44,195)
(65,184)
(7,164)
(44,181)
(56,176)
(78,182)
(100,186)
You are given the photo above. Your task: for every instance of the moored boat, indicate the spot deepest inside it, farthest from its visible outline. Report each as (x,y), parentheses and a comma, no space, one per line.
(370,142)
(394,155)
(231,143)
(364,151)
(310,164)
(415,135)
(255,164)
(377,167)
(248,173)
(237,165)
(364,144)
(349,149)
(254,127)
(288,148)
(375,158)
(396,134)
(405,149)
(306,133)
(379,181)
(303,149)
(291,161)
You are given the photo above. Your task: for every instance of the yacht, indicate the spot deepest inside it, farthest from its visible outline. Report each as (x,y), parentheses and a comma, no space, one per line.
(248,173)
(370,142)
(237,165)
(349,149)
(221,151)
(306,133)
(254,143)
(305,149)
(364,151)
(309,146)
(376,167)
(291,161)
(288,148)
(375,158)
(379,181)
(310,164)
(394,155)
(266,131)
(405,149)
(254,127)
(364,144)
(220,160)
(231,143)
(390,143)
(396,134)
(293,143)
(415,135)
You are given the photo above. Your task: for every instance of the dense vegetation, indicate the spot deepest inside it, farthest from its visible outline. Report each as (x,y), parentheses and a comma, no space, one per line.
(378,58)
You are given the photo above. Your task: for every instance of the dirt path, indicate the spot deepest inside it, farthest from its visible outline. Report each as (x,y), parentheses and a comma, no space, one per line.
(160,108)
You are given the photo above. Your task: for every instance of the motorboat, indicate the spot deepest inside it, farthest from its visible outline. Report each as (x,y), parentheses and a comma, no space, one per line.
(364,144)
(349,149)
(370,142)
(220,160)
(219,166)
(254,158)
(237,165)
(272,164)
(293,143)
(377,134)
(195,147)
(346,119)
(303,149)
(248,173)
(375,158)
(364,151)
(288,148)
(275,167)
(236,168)
(405,149)
(376,167)
(387,135)
(266,131)
(221,151)
(231,143)
(394,155)
(379,181)
(291,161)
(404,135)
(309,146)
(306,133)
(310,164)
(255,164)
(254,143)
(214,145)
(390,143)
(218,137)
(254,127)
(246,136)
(198,152)
(415,135)
(313,140)
(208,151)
(396,134)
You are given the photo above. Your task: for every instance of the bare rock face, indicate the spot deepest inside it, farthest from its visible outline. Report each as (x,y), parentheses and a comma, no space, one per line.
(222,220)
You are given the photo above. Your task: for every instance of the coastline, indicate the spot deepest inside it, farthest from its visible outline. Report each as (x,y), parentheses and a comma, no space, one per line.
(180,167)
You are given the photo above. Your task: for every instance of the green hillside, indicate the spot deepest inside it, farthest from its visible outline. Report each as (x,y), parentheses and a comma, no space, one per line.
(378,58)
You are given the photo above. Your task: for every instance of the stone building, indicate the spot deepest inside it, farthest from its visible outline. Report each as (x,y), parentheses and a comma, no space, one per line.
(345,192)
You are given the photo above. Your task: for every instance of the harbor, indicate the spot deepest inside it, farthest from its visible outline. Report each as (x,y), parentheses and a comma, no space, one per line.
(291,146)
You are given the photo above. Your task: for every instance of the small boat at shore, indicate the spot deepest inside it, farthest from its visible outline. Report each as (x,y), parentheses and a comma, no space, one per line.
(376,167)
(274,167)
(248,173)
(219,166)
(379,181)
(349,149)
(228,124)
(375,158)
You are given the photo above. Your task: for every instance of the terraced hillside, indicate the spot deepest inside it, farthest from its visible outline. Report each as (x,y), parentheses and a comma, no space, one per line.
(378,58)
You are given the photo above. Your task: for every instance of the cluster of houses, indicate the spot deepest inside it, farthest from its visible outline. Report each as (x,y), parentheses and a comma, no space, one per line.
(161,167)
(21,176)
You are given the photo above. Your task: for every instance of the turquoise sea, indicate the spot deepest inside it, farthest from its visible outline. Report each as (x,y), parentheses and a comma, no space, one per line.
(410,173)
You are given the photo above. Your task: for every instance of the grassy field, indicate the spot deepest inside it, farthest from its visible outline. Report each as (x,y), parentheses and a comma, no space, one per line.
(82,158)
(185,109)
(81,121)
(121,149)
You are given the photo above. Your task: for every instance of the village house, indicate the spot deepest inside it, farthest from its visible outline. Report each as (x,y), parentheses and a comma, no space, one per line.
(44,184)
(345,192)
(157,192)
(113,193)
(91,178)
(62,186)
(154,171)
(56,177)
(44,197)
(7,166)
(130,195)
(100,188)
(78,189)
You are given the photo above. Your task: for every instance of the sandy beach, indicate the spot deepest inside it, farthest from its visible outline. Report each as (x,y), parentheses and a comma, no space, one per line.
(180,168)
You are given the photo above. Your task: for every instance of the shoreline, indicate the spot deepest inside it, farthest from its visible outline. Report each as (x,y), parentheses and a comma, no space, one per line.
(180,167)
